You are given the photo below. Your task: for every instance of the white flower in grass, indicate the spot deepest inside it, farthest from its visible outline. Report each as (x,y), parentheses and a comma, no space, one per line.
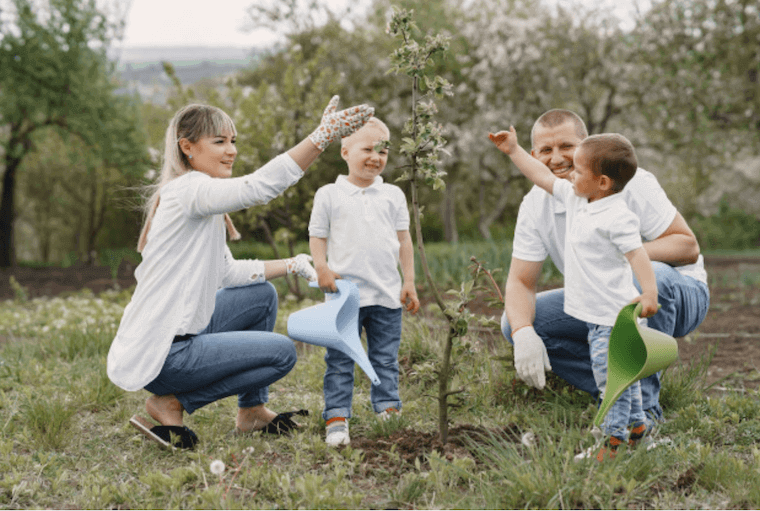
(249,450)
(217,467)
(528,439)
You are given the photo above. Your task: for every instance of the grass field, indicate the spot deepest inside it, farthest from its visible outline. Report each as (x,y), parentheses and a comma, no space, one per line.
(65,441)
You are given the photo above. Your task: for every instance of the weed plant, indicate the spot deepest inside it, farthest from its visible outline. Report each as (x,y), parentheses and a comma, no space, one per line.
(65,441)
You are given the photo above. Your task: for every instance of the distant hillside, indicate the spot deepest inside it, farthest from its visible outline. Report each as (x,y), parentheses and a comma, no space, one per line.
(141,68)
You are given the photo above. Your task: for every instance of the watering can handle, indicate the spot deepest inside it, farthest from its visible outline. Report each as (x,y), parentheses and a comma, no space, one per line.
(316,284)
(637,310)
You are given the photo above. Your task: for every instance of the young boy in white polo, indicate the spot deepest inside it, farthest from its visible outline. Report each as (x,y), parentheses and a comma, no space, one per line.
(602,245)
(359,231)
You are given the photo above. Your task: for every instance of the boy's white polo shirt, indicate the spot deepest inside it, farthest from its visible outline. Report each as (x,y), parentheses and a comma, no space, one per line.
(540,229)
(598,276)
(361,227)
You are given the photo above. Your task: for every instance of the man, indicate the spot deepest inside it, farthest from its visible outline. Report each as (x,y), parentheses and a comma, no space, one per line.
(544,337)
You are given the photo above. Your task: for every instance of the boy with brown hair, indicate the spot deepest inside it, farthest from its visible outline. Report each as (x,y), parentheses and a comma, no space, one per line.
(602,248)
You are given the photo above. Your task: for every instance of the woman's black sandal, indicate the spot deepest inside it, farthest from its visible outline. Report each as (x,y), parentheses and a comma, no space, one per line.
(184,437)
(282,424)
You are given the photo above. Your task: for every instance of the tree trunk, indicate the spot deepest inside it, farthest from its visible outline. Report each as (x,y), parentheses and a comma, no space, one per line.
(7,213)
(483,227)
(97,213)
(488,217)
(449,215)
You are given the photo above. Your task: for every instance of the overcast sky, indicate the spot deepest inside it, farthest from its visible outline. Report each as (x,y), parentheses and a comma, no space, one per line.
(220,22)
(196,22)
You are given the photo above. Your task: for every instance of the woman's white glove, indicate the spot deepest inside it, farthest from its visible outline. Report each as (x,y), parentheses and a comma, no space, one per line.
(301,265)
(336,125)
(531,359)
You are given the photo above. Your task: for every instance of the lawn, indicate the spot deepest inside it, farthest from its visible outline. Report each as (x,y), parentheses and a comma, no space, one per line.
(65,441)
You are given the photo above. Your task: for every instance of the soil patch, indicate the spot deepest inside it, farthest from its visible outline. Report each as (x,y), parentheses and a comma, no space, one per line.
(55,281)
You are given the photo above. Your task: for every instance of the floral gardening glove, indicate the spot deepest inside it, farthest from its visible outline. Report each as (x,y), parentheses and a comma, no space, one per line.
(300,265)
(336,125)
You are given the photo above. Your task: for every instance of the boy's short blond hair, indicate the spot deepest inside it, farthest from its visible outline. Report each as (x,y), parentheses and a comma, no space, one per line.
(373,122)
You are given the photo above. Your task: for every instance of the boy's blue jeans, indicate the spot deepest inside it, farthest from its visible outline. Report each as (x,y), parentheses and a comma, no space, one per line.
(684,303)
(383,328)
(627,409)
(236,354)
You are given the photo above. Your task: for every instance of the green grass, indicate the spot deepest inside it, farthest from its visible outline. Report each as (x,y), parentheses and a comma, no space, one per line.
(65,441)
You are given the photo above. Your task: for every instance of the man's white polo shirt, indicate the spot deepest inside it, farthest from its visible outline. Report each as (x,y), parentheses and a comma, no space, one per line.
(361,226)
(540,229)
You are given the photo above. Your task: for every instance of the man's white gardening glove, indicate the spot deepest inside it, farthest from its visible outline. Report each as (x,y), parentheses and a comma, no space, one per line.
(301,265)
(531,359)
(336,125)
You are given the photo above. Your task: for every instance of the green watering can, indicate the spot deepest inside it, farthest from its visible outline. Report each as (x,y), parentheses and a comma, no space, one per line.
(635,352)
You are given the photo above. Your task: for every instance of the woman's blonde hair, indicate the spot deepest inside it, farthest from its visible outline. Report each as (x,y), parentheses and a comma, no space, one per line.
(192,122)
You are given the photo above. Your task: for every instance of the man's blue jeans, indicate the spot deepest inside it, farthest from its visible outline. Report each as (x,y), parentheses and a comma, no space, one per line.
(236,354)
(383,328)
(684,303)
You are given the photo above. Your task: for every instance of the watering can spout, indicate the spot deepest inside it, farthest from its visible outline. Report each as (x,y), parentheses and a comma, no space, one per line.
(334,324)
(635,352)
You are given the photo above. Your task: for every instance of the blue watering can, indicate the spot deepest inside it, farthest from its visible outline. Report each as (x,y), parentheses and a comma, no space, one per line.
(334,324)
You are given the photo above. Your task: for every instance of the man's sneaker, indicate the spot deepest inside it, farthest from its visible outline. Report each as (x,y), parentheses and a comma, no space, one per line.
(388,413)
(337,432)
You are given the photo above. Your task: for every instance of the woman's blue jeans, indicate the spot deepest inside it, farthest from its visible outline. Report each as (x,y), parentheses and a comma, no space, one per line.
(236,354)
(684,303)
(383,328)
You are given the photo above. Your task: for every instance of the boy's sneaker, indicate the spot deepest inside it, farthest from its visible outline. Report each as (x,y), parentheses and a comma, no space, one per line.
(388,413)
(654,417)
(638,431)
(609,449)
(337,432)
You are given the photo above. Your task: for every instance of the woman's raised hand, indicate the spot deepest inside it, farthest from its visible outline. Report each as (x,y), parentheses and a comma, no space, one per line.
(337,124)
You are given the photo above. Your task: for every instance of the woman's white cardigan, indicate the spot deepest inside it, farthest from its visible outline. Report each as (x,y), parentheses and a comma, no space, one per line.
(185,261)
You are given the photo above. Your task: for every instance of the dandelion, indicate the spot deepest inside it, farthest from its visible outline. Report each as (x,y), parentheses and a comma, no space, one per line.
(217,467)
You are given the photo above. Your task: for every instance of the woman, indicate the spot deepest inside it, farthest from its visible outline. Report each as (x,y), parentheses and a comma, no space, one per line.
(199,325)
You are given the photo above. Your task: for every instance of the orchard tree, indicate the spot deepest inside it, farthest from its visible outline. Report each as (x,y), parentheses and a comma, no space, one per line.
(280,101)
(526,57)
(56,74)
(699,90)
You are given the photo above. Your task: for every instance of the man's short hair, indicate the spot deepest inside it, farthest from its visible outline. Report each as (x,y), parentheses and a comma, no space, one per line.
(557,117)
(611,155)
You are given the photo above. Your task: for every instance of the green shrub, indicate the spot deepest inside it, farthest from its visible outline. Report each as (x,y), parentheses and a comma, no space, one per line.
(728,229)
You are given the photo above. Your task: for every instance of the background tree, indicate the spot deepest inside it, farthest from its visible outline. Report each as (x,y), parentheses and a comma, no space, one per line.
(700,96)
(56,74)
(281,100)
(527,57)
